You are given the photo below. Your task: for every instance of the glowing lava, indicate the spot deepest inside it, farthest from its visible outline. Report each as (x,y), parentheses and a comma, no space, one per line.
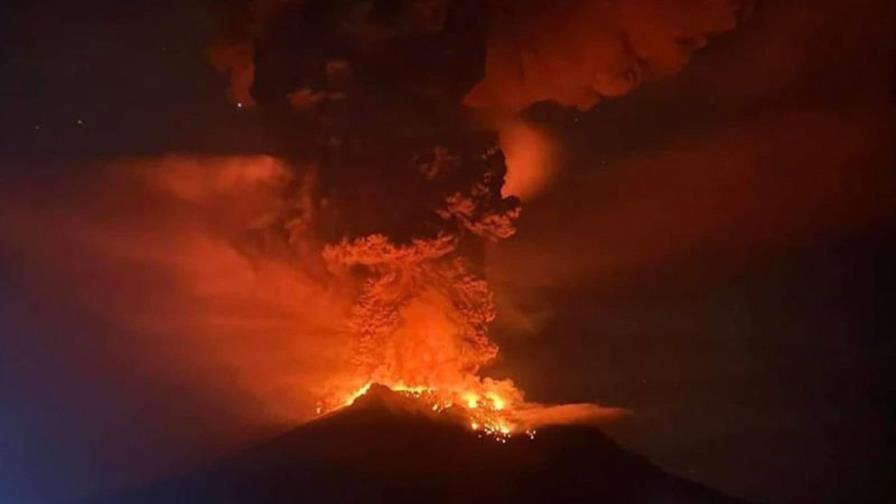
(485,412)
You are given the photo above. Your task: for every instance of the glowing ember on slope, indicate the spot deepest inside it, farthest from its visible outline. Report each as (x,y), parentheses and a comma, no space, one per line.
(486,413)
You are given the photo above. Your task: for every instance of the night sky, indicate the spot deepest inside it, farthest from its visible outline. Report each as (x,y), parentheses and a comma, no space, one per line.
(713,251)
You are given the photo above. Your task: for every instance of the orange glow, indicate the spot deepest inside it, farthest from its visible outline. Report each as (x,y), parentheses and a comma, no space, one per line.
(420,322)
(578,53)
(530,157)
(354,395)
(189,257)
(173,253)
(489,415)
(236,60)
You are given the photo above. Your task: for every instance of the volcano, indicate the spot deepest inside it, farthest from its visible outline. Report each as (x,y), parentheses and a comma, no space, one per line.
(388,447)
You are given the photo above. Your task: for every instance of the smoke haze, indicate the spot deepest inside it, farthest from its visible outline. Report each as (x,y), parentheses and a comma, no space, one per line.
(150,308)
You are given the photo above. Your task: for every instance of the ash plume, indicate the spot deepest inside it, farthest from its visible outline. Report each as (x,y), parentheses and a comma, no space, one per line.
(403,108)
(344,62)
(406,189)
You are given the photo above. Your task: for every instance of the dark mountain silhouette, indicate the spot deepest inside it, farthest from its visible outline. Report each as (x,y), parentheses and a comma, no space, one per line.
(386,448)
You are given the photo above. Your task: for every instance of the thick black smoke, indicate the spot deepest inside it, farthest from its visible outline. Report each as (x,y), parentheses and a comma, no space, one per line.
(400,97)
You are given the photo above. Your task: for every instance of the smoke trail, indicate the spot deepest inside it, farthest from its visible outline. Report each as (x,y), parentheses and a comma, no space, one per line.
(232,52)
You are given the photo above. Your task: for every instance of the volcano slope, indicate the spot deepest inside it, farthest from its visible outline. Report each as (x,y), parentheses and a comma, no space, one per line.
(387,448)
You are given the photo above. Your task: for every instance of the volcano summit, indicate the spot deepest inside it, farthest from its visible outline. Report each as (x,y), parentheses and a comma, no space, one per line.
(387,448)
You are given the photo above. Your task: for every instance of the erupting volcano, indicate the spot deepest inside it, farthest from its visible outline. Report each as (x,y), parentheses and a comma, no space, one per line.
(393,118)
(421,315)
(265,251)
(395,110)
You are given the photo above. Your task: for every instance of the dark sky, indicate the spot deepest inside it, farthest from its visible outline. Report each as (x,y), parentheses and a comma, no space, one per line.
(714,252)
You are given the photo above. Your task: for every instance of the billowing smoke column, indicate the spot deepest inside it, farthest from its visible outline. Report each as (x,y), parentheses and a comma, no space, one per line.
(394,105)
(405,189)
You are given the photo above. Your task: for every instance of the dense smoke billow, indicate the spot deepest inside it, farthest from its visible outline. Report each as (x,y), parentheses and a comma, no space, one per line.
(578,53)
(573,53)
(414,98)
(496,57)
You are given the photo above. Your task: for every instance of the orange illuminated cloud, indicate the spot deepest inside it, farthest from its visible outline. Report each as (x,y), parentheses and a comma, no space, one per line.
(579,52)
